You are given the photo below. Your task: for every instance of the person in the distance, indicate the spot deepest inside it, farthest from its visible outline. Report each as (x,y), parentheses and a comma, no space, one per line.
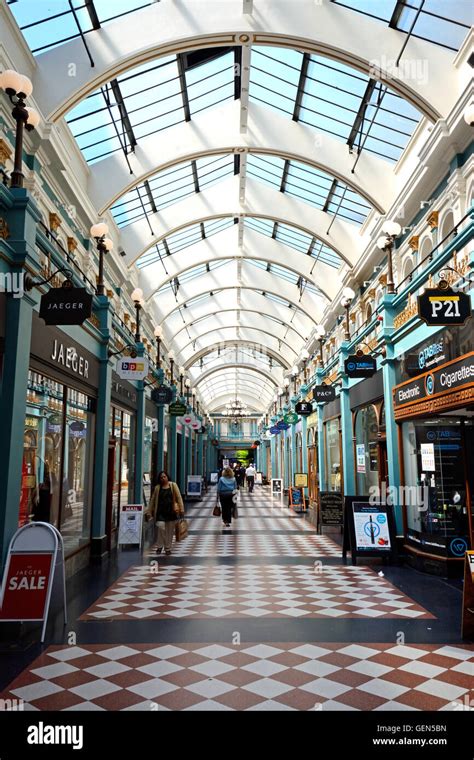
(166,505)
(250,474)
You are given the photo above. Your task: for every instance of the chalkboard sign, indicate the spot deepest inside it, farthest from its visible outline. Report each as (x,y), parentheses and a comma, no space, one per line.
(331,508)
(296,499)
(369,528)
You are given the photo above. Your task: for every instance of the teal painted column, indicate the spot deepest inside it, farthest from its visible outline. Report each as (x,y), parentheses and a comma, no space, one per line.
(346,429)
(189,457)
(160,460)
(304,447)
(173,449)
(273,451)
(139,434)
(18,250)
(292,469)
(389,381)
(323,486)
(101,453)
(182,462)
(200,453)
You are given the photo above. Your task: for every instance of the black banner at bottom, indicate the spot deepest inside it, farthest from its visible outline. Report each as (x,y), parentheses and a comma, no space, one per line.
(120,734)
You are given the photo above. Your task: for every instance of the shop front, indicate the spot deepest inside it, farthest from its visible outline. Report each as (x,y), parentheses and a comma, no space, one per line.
(121,457)
(370,448)
(312,454)
(333,473)
(435,412)
(59,432)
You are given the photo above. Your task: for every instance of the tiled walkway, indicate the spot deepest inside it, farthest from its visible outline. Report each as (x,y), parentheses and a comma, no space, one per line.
(264,616)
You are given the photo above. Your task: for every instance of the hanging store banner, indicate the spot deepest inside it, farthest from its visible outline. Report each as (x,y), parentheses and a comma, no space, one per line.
(66,306)
(324,393)
(291,418)
(275,430)
(282,425)
(177,410)
(360,366)
(444,307)
(132,369)
(304,408)
(162,395)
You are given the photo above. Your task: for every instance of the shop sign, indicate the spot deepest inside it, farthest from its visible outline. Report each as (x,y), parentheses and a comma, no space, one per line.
(304,408)
(282,425)
(77,426)
(69,358)
(177,410)
(324,393)
(360,450)
(274,430)
(360,366)
(330,508)
(277,487)
(453,375)
(130,528)
(291,418)
(132,369)
(162,395)
(444,307)
(66,306)
(301,480)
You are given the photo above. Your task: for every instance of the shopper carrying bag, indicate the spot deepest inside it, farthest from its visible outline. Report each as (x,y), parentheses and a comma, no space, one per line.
(226,489)
(166,507)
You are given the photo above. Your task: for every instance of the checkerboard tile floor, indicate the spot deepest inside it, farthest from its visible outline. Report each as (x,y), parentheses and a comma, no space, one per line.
(261,524)
(167,591)
(268,545)
(275,676)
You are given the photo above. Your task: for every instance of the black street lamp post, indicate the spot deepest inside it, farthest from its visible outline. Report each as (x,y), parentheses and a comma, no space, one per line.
(18,88)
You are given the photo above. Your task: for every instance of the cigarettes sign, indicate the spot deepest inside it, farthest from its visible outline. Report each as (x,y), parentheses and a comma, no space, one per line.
(26,587)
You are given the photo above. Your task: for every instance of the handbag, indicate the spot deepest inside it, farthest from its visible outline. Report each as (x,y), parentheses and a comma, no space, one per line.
(216,512)
(235,511)
(181,529)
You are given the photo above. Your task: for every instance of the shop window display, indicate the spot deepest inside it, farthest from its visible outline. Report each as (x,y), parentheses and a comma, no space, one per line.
(366,450)
(57,459)
(435,461)
(333,455)
(123,482)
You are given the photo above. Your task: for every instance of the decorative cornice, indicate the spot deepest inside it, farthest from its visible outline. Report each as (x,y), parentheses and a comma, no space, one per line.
(5,152)
(54,221)
(4,231)
(71,244)
(414,242)
(433,219)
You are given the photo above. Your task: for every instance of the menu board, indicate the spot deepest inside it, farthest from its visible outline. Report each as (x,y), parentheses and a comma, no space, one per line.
(331,508)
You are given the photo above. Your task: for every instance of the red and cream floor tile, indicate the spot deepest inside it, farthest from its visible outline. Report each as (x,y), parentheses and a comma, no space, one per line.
(265,545)
(209,591)
(247,677)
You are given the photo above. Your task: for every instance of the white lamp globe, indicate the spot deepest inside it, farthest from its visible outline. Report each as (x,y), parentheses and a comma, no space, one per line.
(171,356)
(391,228)
(305,354)
(320,331)
(181,370)
(99,230)
(33,118)
(348,293)
(382,242)
(286,382)
(137,294)
(158,331)
(108,244)
(469,114)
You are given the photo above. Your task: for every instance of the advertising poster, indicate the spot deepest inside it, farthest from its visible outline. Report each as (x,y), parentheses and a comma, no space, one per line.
(427,457)
(130,530)
(277,486)
(371,527)
(360,450)
(194,485)
(26,587)
(214,477)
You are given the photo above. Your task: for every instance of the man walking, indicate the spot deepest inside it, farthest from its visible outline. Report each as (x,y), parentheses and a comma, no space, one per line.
(250,473)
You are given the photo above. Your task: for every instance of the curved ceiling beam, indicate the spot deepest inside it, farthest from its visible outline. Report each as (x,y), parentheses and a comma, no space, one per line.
(163,29)
(274,335)
(222,201)
(278,358)
(217,132)
(256,246)
(237,387)
(212,315)
(246,367)
(248,300)
(201,289)
(243,331)
(220,401)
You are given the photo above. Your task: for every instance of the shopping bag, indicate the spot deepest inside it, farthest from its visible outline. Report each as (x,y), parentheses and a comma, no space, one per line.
(235,511)
(181,529)
(217,511)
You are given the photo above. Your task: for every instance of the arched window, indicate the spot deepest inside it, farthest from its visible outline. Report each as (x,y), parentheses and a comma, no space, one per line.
(446,228)
(407,270)
(366,440)
(368,312)
(425,249)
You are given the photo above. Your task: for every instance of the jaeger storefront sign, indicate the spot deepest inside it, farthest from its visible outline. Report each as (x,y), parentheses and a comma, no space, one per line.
(439,383)
(66,306)
(70,358)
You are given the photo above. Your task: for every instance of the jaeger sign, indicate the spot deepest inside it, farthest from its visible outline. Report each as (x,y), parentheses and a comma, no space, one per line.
(66,306)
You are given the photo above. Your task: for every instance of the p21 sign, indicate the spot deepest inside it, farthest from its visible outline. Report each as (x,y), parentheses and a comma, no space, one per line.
(444,307)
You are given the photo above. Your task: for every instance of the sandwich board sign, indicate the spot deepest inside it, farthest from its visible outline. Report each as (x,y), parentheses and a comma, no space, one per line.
(194,486)
(131,521)
(34,574)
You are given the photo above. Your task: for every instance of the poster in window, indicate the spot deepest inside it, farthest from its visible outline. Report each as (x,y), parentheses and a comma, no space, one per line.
(360,450)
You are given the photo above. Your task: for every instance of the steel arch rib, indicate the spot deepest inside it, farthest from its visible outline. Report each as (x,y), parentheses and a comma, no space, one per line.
(287,325)
(224,367)
(182,349)
(168,28)
(188,364)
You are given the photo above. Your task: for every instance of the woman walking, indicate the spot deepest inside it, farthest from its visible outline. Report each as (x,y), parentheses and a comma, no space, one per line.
(226,488)
(166,505)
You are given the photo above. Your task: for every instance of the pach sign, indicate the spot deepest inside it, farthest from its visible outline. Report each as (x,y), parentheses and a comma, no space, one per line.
(444,307)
